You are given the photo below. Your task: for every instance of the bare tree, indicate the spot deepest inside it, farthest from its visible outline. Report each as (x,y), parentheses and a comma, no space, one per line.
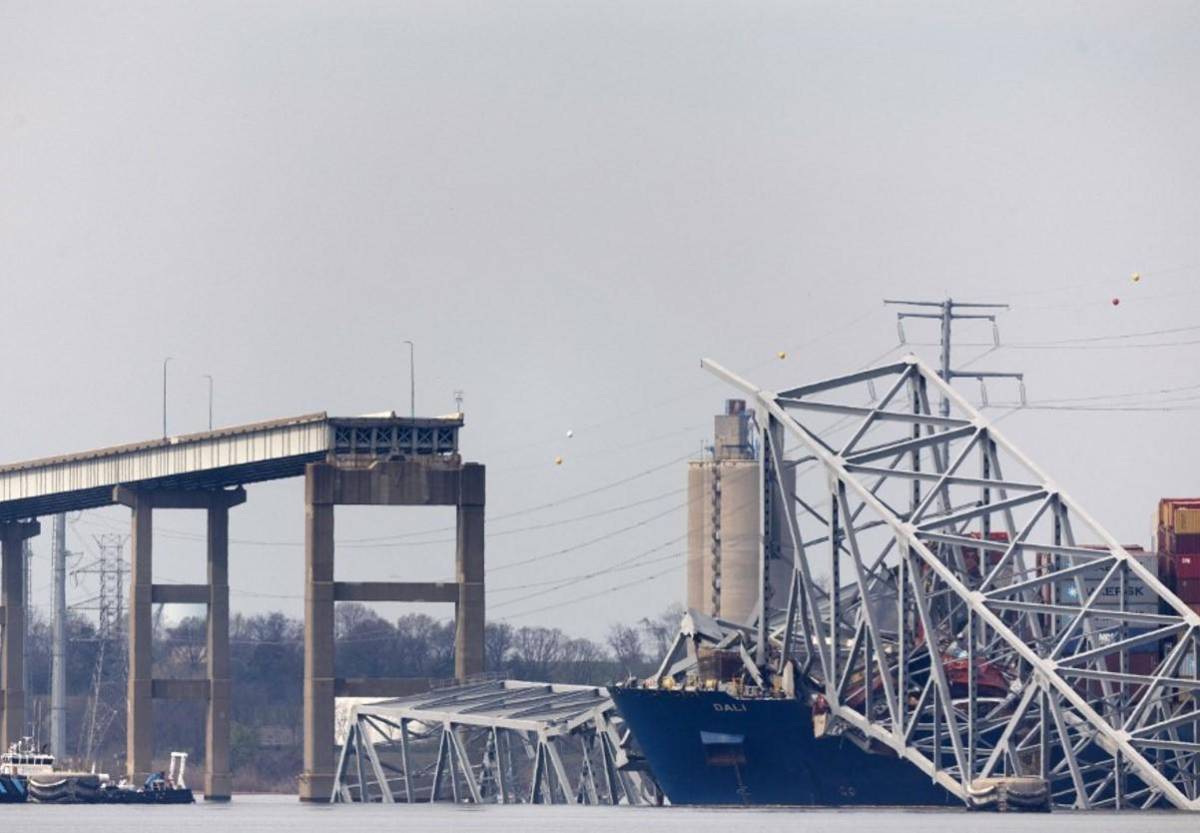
(537,650)
(497,643)
(626,644)
(661,630)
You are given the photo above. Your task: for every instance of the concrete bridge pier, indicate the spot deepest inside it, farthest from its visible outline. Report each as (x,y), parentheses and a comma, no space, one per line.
(143,688)
(12,619)
(421,482)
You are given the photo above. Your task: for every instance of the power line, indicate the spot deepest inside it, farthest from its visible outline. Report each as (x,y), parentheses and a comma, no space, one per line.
(576,580)
(1053,346)
(1103,302)
(353,542)
(533,527)
(1115,337)
(846,326)
(604,592)
(1128,395)
(607,536)
(1116,408)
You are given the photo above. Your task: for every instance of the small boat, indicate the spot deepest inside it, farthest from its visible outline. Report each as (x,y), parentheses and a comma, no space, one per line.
(27,773)
(22,760)
(30,771)
(159,788)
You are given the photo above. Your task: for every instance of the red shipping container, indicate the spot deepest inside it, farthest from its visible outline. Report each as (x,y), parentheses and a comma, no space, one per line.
(1183,544)
(1143,663)
(1187,567)
(1188,590)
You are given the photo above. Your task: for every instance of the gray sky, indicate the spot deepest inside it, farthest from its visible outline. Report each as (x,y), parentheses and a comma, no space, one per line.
(565,205)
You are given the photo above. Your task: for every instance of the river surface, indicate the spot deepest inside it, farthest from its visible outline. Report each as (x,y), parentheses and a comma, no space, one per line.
(266,814)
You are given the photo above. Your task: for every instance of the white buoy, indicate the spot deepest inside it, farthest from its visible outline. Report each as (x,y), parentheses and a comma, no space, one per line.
(570,434)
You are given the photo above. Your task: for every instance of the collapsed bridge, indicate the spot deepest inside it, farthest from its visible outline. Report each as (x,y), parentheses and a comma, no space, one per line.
(379,460)
(494,741)
(948,603)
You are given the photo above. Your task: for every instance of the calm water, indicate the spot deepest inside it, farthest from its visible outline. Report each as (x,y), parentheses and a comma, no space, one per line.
(261,814)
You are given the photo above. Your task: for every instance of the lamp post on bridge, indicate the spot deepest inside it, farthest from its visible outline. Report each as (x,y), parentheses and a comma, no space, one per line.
(164,412)
(412,380)
(210,399)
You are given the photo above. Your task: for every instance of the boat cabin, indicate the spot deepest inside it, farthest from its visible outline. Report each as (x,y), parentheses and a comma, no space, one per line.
(23,758)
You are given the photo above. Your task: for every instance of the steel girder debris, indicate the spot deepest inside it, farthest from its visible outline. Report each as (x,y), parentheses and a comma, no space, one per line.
(500,741)
(974,630)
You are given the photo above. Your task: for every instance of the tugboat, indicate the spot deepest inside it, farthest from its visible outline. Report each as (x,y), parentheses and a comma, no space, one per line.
(16,765)
(31,772)
(27,773)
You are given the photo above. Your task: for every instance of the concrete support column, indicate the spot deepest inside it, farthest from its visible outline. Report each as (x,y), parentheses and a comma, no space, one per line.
(139,723)
(218,781)
(316,780)
(469,616)
(12,649)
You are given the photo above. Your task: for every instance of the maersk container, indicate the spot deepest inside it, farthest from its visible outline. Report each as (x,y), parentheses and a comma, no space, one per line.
(1139,598)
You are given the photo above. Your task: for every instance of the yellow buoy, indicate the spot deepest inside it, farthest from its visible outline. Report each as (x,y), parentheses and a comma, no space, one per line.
(558,461)
(782,354)
(1136,276)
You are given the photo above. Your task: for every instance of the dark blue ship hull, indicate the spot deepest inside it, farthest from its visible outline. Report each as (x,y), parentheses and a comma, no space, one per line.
(12,790)
(706,747)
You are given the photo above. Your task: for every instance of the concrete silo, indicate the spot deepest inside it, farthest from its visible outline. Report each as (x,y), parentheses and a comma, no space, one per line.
(725,525)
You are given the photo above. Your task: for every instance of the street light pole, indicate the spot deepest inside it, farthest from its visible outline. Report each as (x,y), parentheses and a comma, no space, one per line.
(412,380)
(164,414)
(210,392)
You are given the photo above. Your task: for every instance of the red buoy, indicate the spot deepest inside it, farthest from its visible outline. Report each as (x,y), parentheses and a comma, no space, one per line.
(1116,301)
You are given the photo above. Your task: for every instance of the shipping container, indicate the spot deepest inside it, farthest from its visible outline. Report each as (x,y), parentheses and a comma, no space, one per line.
(1185,544)
(1186,566)
(970,557)
(1169,506)
(1140,662)
(1138,595)
(1187,521)
(1188,590)
(719,665)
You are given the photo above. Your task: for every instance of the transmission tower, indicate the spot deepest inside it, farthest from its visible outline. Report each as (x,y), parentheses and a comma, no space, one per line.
(110,568)
(27,578)
(947,313)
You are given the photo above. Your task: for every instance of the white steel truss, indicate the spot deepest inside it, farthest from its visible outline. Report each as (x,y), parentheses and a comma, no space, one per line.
(983,623)
(498,741)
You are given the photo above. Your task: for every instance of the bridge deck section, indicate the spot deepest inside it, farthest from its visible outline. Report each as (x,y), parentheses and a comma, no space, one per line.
(232,456)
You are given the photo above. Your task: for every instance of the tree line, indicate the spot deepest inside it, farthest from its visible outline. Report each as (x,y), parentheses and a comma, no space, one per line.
(267,666)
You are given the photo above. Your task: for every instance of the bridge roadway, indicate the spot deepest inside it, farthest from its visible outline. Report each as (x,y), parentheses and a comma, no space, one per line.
(378,459)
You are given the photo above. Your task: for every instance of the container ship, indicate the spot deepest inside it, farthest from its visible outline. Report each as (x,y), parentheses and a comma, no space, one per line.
(715,730)
(715,747)
(710,736)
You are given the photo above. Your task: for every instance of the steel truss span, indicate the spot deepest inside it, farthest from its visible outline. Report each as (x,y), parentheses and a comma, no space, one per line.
(498,742)
(1026,656)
